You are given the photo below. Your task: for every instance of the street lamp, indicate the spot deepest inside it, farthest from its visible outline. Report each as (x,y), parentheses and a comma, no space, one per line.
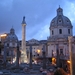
(38,51)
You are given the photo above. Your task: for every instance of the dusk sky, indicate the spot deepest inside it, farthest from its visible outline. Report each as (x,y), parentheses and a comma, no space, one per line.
(38,13)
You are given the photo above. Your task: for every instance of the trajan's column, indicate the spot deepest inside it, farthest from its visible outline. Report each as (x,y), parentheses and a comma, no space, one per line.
(23,52)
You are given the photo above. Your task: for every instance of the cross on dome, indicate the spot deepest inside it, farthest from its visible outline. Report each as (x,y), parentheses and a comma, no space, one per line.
(59,11)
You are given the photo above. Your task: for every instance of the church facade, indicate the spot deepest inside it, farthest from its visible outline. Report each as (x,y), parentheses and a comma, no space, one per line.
(58,42)
(9,42)
(60,29)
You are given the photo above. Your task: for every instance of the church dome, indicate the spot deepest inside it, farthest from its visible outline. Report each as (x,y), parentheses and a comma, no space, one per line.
(60,25)
(11,36)
(60,19)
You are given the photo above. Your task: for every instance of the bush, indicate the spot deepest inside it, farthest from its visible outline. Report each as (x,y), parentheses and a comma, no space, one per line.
(60,72)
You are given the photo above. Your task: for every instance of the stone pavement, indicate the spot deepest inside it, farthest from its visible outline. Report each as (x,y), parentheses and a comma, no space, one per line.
(26,74)
(48,73)
(30,74)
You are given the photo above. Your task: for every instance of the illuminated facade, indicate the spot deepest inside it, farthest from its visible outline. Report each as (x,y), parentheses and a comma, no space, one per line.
(2,39)
(37,48)
(9,41)
(11,46)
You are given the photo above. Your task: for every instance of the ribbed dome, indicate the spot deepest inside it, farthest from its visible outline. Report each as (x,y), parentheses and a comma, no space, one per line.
(60,19)
(11,36)
(60,26)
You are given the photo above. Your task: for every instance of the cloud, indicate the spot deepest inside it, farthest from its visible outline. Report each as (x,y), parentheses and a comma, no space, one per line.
(38,16)
(70,13)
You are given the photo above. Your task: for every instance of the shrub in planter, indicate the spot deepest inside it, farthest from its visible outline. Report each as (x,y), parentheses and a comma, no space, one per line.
(60,71)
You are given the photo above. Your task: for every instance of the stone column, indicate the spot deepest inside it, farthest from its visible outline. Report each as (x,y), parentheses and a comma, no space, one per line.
(23,52)
(30,57)
(44,57)
(72,55)
(4,56)
(17,57)
(57,57)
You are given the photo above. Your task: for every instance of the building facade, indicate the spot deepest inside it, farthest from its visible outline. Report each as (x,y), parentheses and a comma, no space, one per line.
(37,48)
(60,29)
(9,42)
(58,43)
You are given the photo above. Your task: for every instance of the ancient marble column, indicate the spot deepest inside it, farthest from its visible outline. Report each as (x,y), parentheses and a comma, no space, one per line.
(72,55)
(44,56)
(58,57)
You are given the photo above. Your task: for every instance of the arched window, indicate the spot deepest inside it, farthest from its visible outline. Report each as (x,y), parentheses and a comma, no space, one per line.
(60,20)
(60,31)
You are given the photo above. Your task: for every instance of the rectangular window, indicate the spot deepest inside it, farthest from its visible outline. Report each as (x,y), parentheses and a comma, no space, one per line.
(7,53)
(61,51)
(7,44)
(68,31)
(60,31)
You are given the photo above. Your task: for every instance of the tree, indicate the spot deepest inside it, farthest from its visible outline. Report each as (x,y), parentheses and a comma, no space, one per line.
(60,71)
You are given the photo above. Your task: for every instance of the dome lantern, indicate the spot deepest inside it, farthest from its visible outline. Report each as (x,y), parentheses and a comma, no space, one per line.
(12,31)
(59,11)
